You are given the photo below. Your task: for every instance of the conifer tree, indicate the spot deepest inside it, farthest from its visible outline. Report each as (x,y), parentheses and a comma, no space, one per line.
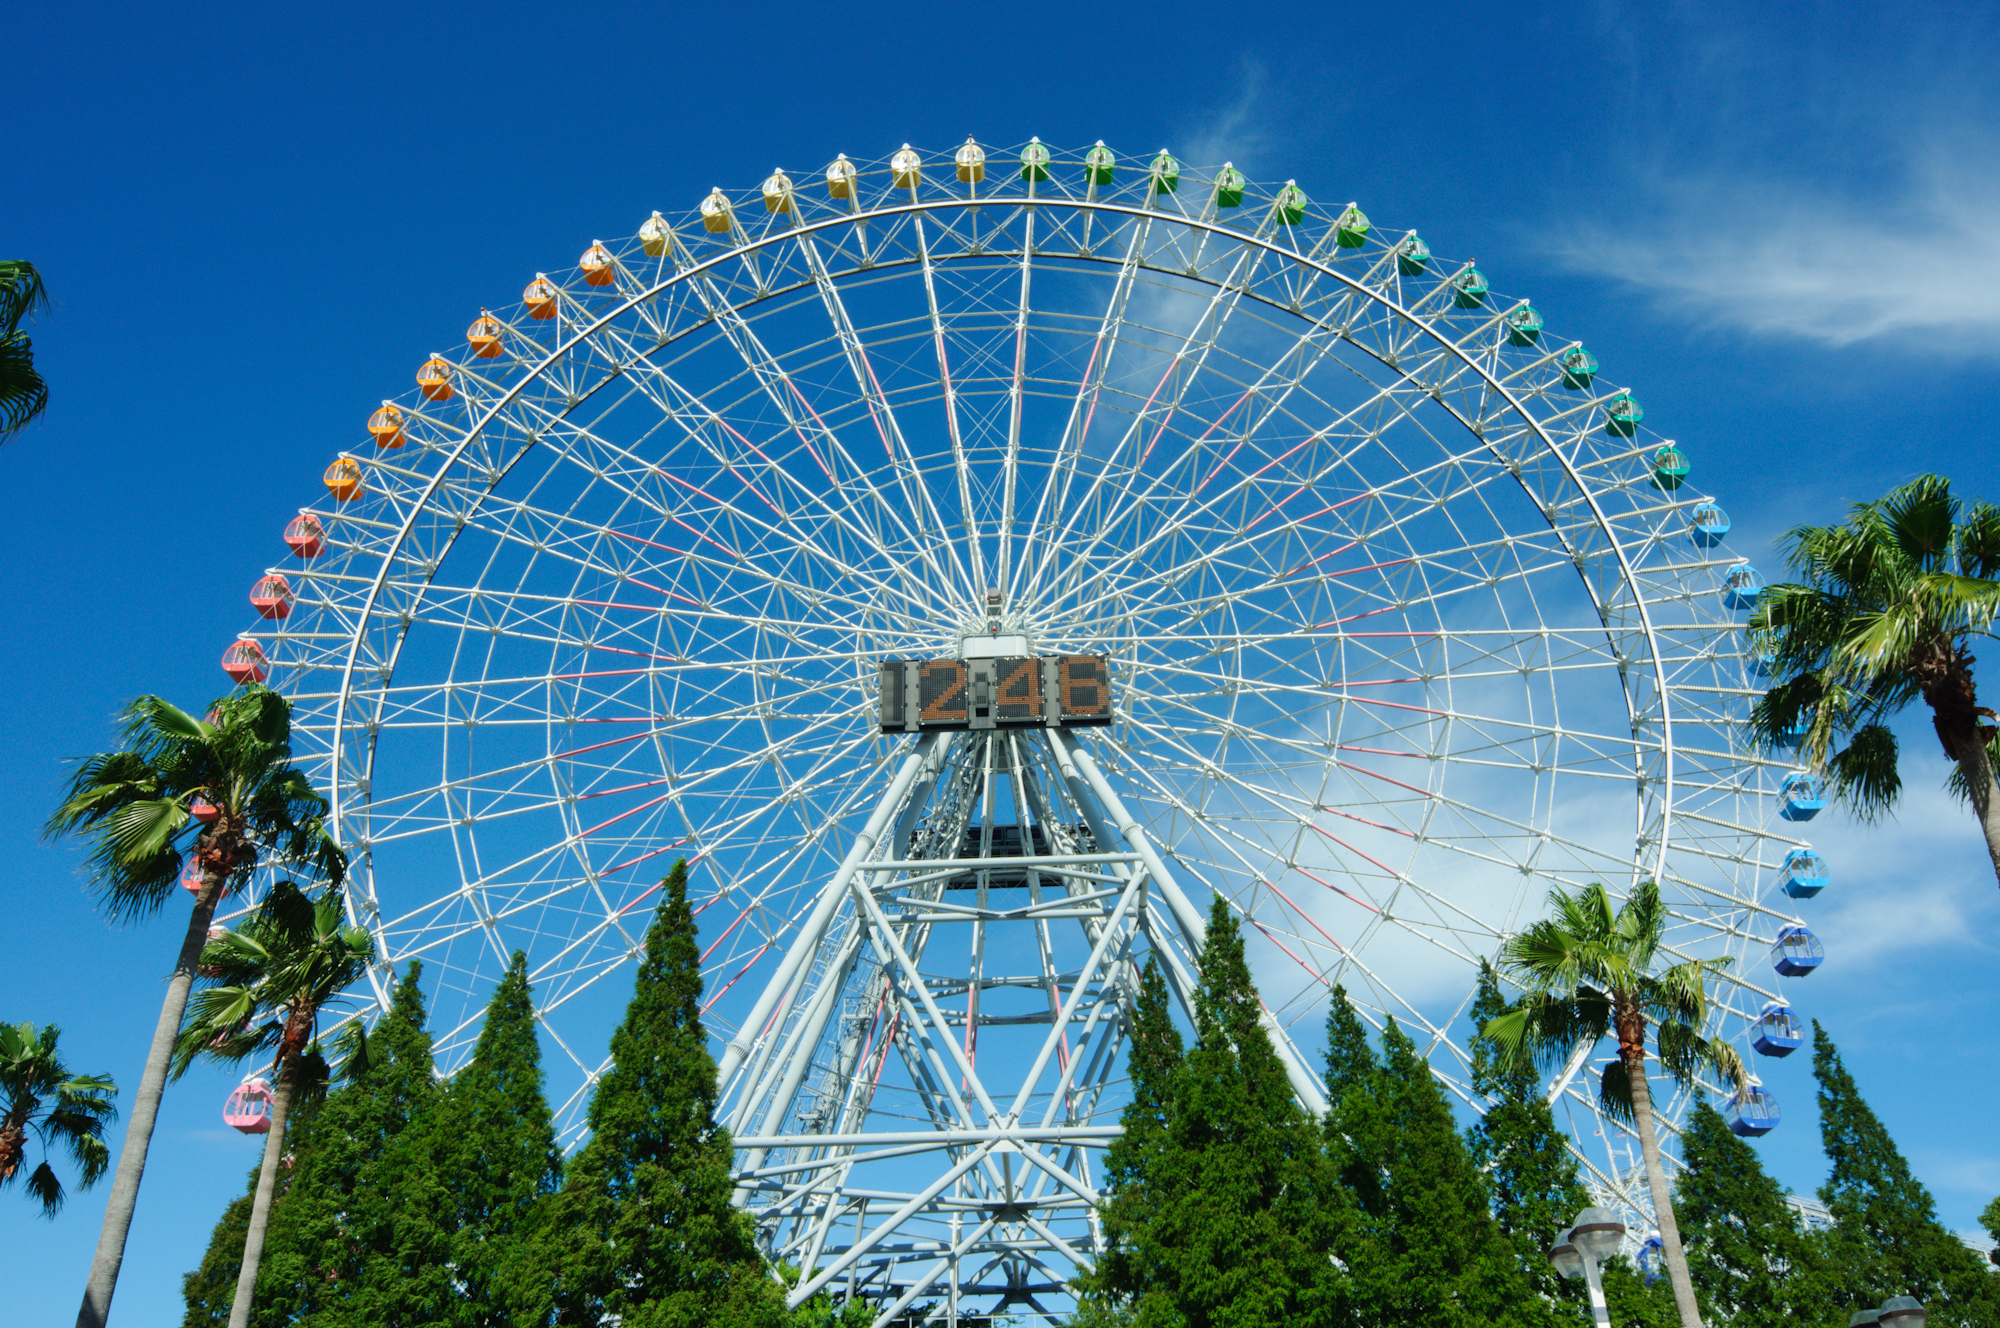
(496,1148)
(1751,1259)
(1350,1062)
(1886,1239)
(643,1227)
(1221,1211)
(1427,1250)
(1517,1146)
(361,1236)
(1136,1164)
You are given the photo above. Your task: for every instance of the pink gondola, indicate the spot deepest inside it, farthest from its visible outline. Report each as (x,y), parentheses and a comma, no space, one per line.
(203,810)
(244,662)
(305,535)
(249,1108)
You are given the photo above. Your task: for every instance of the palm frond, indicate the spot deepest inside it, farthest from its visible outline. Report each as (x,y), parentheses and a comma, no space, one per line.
(24,393)
(1979,541)
(46,1189)
(1864,774)
(1920,516)
(22,292)
(1614,1093)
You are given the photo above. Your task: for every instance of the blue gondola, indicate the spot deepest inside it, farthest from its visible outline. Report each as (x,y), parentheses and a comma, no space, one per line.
(1796,952)
(1763,659)
(1777,1031)
(1804,873)
(1752,1112)
(1711,524)
(1801,796)
(1741,586)
(1794,733)
(1652,1260)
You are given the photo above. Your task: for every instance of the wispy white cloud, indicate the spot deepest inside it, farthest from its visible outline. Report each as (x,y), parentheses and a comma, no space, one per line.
(1832,180)
(1767,255)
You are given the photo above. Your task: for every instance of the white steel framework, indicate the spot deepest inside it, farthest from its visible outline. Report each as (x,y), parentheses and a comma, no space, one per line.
(1405,624)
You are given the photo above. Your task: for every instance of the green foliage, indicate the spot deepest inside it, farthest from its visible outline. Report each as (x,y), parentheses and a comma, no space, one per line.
(132,805)
(1879,617)
(1517,1147)
(1989,1218)
(23,393)
(264,983)
(1426,1249)
(1752,1262)
(1220,1202)
(360,1238)
(496,1147)
(1631,1302)
(210,1289)
(643,1227)
(1886,1239)
(1350,1062)
(40,1097)
(1587,972)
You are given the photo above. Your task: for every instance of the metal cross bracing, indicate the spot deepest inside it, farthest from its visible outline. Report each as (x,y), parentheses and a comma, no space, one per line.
(918,1115)
(1404,633)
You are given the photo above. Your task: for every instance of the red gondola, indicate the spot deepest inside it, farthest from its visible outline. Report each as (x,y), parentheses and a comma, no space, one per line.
(305,535)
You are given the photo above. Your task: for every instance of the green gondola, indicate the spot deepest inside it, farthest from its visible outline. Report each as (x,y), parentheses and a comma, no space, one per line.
(1622,415)
(1670,469)
(1098,164)
(1579,366)
(1035,162)
(1229,187)
(1291,204)
(1352,230)
(1469,288)
(1524,325)
(1413,256)
(1166,173)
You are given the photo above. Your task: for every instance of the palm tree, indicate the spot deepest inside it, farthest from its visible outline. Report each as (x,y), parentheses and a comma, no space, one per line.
(38,1093)
(273,975)
(1586,972)
(1883,614)
(23,394)
(210,796)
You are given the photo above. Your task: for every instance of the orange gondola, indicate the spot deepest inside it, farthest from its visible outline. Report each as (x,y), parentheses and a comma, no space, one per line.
(385,426)
(343,479)
(434,380)
(599,267)
(540,297)
(484,334)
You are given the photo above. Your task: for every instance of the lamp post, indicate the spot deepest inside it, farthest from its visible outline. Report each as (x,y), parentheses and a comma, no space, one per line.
(1582,1250)
(1901,1312)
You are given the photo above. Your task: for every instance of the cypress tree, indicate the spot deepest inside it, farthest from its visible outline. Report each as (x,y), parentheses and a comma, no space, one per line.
(1136,1164)
(1221,1208)
(1533,1174)
(643,1227)
(1886,1239)
(361,1238)
(497,1150)
(1750,1257)
(1427,1249)
(1350,1062)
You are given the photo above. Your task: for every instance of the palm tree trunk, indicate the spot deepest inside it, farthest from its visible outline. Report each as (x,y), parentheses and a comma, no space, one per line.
(1979,784)
(260,1207)
(145,1109)
(1663,1203)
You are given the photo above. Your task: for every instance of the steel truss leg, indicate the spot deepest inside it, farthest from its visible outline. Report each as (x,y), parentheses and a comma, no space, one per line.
(924,1087)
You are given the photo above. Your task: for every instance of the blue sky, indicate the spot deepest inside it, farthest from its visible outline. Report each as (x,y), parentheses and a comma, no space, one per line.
(1780,228)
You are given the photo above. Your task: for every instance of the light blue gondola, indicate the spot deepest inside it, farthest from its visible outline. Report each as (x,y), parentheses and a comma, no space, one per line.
(1763,659)
(1778,1032)
(1752,1112)
(1741,585)
(1711,524)
(1804,873)
(1652,1259)
(1794,733)
(1796,952)
(1801,796)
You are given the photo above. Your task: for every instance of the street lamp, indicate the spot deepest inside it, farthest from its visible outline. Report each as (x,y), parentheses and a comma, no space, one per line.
(1581,1250)
(1901,1312)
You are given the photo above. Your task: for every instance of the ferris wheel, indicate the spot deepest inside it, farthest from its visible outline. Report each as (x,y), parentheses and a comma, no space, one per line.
(973,563)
